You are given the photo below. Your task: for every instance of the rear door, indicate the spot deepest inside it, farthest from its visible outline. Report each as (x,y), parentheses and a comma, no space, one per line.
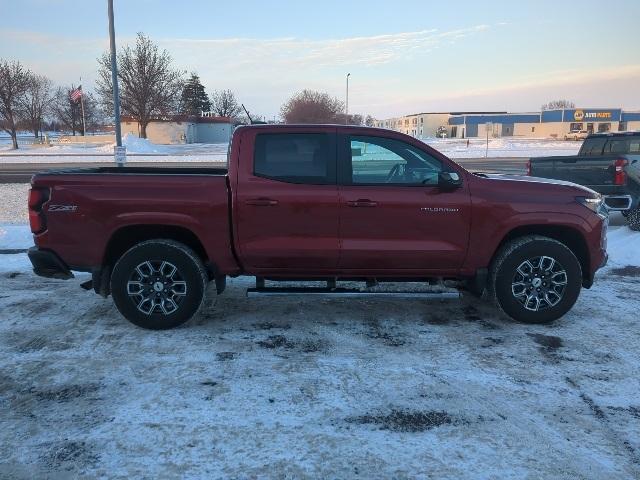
(393,215)
(286,200)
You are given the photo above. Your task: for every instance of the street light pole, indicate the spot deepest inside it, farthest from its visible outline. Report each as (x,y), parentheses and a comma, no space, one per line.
(114,81)
(346,117)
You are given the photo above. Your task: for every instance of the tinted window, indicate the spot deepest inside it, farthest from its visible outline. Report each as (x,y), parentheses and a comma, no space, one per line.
(377,160)
(294,158)
(622,145)
(593,146)
(616,146)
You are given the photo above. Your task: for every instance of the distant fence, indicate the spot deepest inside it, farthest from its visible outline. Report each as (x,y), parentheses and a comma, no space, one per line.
(56,137)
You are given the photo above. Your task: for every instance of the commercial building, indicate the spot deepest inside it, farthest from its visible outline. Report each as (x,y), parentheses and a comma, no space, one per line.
(545,124)
(183,129)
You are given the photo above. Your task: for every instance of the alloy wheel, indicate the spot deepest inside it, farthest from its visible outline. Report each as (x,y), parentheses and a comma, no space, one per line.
(539,283)
(156,287)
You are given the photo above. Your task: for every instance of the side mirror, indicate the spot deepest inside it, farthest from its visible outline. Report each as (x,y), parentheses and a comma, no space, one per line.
(449,180)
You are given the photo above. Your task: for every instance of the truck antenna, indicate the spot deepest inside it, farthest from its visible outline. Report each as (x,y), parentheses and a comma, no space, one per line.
(247,112)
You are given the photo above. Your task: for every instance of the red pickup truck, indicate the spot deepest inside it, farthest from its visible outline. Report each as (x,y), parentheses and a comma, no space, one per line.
(317,203)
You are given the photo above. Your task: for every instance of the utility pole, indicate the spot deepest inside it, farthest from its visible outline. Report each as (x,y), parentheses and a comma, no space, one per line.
(84,125)
(119,151)
(346,117)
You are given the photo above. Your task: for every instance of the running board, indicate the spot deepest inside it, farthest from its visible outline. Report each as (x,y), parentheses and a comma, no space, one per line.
(346,293)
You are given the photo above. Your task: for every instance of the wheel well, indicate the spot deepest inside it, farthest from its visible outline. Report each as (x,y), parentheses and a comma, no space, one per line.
(570,237)
(126,237)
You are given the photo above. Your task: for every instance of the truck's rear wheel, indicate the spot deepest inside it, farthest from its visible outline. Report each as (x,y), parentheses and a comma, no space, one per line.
(633,218)
(158,284)
(535,279)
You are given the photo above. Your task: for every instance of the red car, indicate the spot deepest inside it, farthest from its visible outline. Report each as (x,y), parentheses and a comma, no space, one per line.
(317,202)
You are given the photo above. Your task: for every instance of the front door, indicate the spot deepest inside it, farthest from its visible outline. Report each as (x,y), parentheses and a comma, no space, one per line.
(393,215)
(286,204)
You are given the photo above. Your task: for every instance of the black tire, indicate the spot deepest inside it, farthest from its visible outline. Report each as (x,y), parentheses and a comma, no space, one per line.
(550,299)
(163,301)
(633,219)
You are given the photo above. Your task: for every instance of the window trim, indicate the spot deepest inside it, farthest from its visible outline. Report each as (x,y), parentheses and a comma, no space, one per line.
(345,172)
(331,178)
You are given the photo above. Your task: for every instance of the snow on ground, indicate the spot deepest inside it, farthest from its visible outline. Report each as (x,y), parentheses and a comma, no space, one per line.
(137,148)
(137,145)
(504,147)
(284,388)
(623,245)
(15,237)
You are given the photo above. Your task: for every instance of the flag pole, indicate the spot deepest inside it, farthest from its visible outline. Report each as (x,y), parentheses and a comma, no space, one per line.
(84,126)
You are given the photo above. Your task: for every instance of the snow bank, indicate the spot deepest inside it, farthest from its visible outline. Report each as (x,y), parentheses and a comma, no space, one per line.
(623,246)
(136,145)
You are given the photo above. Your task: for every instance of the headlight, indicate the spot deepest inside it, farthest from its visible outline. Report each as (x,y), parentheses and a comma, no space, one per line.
(595,204)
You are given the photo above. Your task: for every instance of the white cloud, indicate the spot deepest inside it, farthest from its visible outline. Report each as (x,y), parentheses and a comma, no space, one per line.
(367,51)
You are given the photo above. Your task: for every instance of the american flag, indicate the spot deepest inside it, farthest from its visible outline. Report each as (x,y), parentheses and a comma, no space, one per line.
(75,94)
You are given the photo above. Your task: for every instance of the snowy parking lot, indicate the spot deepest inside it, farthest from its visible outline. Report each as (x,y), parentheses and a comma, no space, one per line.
(282,388)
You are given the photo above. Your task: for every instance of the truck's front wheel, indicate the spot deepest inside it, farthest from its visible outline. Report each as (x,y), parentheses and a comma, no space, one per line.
(158,284)
(535,279)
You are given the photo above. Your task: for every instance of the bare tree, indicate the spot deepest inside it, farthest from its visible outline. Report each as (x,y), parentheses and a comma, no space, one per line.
(558,105)
(69,112)
(149,85)
(14,82)
(369,121)
(225,104)
(309,106)
(35,103)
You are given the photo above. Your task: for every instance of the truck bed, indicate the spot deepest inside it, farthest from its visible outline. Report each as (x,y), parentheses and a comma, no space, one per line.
(90,208)
(596,172)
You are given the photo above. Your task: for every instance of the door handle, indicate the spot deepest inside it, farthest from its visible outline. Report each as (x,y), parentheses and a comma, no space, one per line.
(261,202)
(362,203)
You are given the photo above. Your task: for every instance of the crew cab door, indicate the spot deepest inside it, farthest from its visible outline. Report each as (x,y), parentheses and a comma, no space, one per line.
(286,200)
(393,214)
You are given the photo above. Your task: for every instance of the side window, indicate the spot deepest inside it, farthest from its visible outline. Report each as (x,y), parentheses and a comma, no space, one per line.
(294,158)
(383,161)
(593,146)
(634,146)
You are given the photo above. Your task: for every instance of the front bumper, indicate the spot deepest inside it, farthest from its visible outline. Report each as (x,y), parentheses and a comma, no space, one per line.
(48,264)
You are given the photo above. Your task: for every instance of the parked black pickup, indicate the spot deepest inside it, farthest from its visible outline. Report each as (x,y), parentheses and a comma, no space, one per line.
(608,163)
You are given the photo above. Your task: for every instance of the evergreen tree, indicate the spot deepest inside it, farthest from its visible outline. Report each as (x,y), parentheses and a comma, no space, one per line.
(194,98)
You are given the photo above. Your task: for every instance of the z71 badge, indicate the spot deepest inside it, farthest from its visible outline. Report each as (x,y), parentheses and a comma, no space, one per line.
(62,208)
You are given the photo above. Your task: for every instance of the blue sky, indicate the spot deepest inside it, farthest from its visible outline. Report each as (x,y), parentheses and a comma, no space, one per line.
(403,57)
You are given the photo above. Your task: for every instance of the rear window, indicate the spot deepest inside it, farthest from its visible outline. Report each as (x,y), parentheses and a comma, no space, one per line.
(593,146)
(623,145)
(294,158)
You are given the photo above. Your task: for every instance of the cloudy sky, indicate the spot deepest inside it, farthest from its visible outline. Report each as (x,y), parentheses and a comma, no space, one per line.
(404,57)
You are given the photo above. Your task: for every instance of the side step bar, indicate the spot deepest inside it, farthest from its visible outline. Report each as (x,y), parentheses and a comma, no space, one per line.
(345,293)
